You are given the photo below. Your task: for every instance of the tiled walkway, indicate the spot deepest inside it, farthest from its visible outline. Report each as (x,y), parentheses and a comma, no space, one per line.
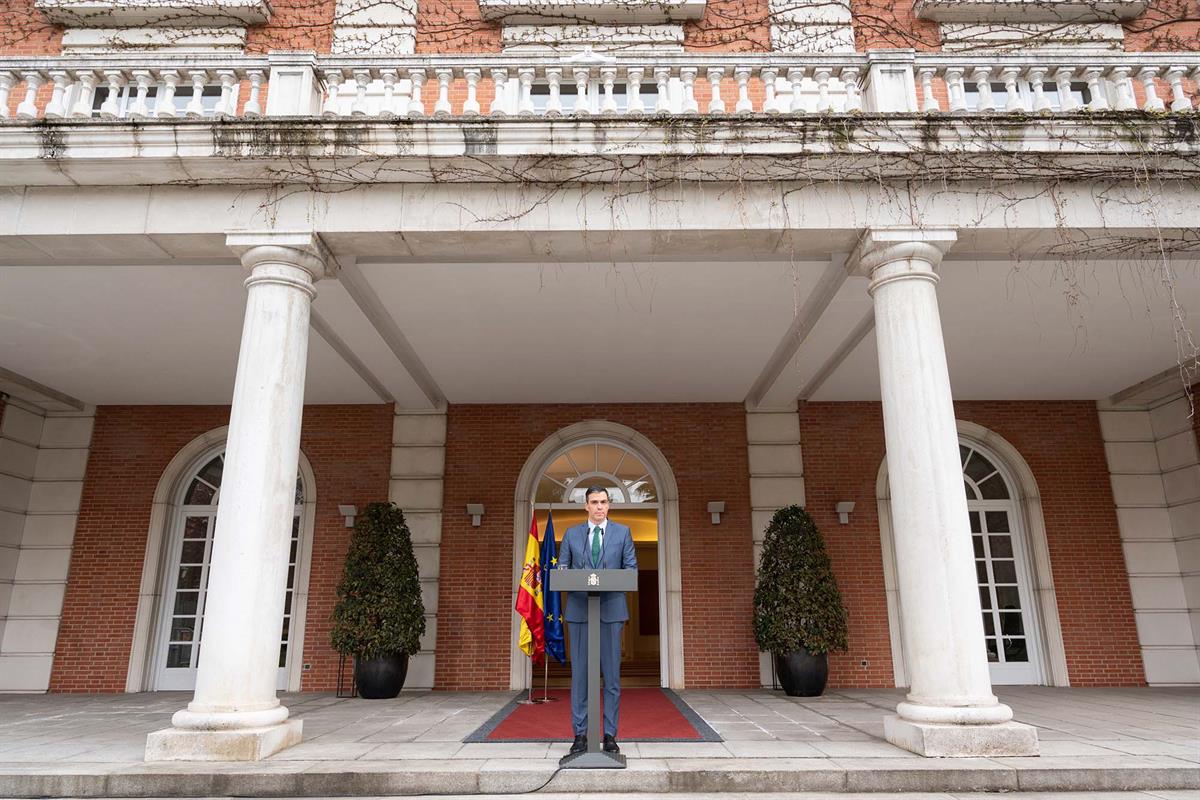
(758,724)
(838,734)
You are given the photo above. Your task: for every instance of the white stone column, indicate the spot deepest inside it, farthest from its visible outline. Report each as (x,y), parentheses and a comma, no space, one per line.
(235,714)
(950,709)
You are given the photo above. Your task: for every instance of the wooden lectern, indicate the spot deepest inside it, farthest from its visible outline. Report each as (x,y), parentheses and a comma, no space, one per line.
(595,582)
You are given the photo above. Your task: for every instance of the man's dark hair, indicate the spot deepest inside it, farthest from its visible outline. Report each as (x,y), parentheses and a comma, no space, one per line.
(591,490)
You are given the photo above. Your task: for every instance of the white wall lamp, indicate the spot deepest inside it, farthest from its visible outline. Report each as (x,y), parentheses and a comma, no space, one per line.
(475,511)
(844,509)
(716,508)
(349,512)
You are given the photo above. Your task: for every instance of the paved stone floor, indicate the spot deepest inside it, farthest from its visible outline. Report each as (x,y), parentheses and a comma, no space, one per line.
(1162,794)
(1133,740)
(1080,724)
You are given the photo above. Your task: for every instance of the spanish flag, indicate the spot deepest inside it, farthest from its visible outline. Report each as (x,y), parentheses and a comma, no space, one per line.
(529,600)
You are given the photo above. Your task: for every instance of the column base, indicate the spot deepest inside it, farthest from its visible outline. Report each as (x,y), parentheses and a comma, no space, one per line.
(246,744)
(940,740)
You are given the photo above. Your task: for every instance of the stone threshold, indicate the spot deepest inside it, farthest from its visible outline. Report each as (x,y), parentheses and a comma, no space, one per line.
(683,776)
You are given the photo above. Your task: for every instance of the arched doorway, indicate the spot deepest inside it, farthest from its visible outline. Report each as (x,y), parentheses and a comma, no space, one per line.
(1012,564)
(170,616)
(644,496)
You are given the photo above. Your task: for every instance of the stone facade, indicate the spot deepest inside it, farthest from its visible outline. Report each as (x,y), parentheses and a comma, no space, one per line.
(764,241)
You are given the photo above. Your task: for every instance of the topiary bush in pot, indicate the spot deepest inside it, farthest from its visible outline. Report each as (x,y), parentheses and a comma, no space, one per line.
(379,617)
(798,611)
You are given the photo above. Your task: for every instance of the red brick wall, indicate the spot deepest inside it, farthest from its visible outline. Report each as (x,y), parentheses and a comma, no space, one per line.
(349,448)
(884,24)
(486,447)
(295,25)
(730,26)
(454,26)
(1165,25)
(843,448)
(25,31)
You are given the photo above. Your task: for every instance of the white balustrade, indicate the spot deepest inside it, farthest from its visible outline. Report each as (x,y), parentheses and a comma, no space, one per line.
(1037,84)
(662,77)
(195,106)
(471,104)
(1153,102)
(253,108)
(57,107)
(716,105)
(1062,83)
(770,100)
(743,105)
(120,91)
(442,107)
(227,105)
(362,79)
(1124,86)
(554,98)
(532,86)
(633,101)
(28,107)
(416,108)
(688,76)
(1179,101)
(87,93)
(608,77)
(166,97)
(581,90)
(983,88)
(7,81)
(795,77)
(111,108)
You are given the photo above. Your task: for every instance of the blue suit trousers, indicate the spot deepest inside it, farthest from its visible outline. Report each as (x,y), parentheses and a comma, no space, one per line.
(610,669)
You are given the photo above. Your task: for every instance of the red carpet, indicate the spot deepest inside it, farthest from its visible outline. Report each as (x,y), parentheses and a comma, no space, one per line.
(646,715)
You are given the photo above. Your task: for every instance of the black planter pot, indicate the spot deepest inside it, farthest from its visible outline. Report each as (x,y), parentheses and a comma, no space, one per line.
(801,673)
(380,678)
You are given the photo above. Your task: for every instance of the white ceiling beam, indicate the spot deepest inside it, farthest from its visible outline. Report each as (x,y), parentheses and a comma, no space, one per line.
(326,332)
(16,385)
(802,324)
(364,296)
(852,340)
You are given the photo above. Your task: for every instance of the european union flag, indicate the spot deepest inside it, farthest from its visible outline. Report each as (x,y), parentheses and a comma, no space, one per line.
(552,601)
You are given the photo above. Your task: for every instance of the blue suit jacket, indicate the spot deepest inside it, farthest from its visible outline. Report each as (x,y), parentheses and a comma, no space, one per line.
(616,553)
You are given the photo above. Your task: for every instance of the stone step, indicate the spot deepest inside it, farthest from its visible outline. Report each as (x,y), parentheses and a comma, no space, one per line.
(676,776)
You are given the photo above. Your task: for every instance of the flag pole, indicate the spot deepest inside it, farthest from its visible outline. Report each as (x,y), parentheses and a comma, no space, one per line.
(546,698)
(529,701)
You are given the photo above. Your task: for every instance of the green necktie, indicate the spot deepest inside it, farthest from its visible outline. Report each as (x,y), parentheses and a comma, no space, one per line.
(596,546)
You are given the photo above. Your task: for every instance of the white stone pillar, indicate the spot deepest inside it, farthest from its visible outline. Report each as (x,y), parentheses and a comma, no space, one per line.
(235,714)
(950,709)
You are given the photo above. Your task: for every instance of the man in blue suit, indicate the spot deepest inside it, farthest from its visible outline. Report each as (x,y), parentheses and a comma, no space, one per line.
(598,544)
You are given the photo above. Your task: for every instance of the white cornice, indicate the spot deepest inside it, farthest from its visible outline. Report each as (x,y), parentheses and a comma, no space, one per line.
(137,13)
(1030,10)
(602,12)
(837,147)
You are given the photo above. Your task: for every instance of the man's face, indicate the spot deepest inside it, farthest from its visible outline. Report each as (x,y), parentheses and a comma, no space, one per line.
(597,506)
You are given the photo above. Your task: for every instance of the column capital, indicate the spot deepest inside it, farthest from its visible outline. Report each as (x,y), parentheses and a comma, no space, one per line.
(878,247)
(304,250)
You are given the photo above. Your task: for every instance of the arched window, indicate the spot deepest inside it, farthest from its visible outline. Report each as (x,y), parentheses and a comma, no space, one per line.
(1023,636)
(189,554)
(611,466)
(1000,569)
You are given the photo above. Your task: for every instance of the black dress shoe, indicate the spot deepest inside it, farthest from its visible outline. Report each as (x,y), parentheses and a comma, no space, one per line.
(579,745)
(610,744)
